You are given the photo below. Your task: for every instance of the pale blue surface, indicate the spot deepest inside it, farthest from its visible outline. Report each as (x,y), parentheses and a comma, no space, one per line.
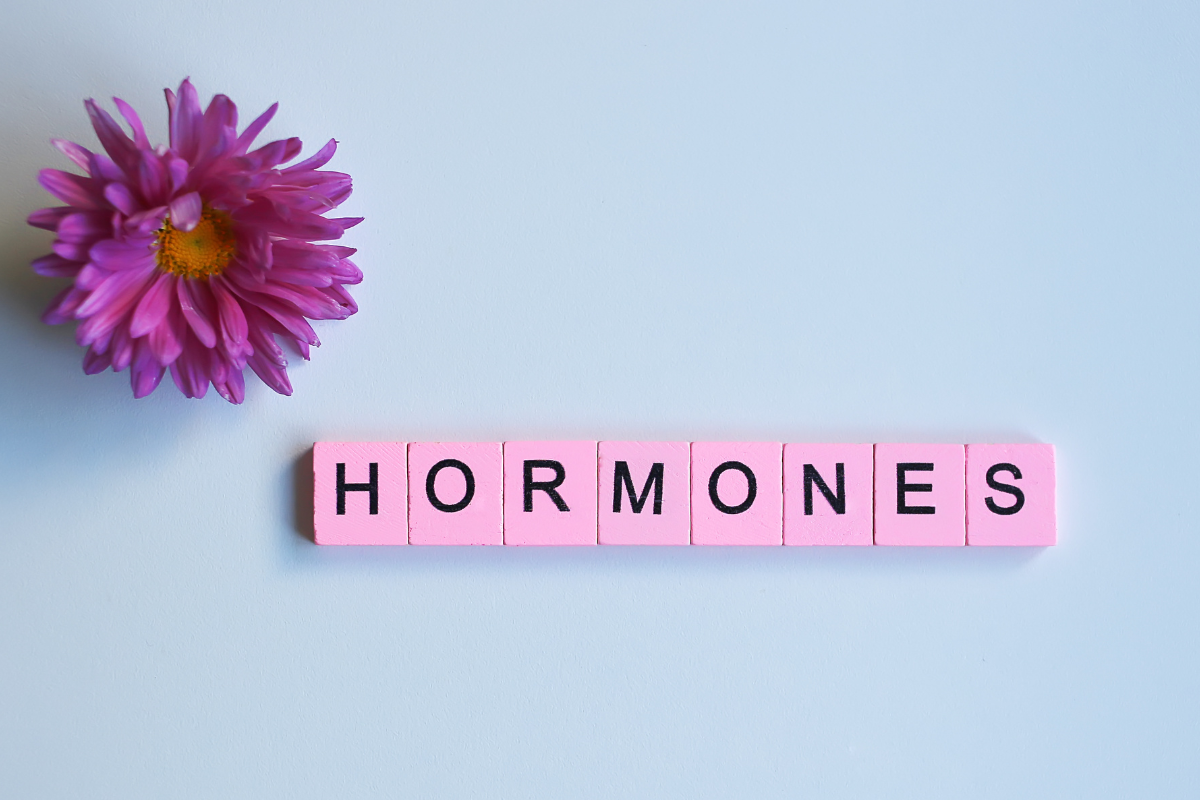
(943,222)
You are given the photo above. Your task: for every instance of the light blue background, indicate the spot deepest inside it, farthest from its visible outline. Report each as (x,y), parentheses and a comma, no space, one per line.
(842,222)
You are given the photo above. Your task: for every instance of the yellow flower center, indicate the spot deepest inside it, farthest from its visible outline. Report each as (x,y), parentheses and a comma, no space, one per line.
(203,251)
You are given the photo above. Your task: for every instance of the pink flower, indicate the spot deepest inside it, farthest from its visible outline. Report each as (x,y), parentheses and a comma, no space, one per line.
(194,257)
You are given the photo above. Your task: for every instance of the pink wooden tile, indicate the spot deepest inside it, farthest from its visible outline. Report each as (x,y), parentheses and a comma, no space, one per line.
(550,493)
(920,494)
(644,493)
(1010,495)
(455,494)
(727,508)
(828,494)
(360,493)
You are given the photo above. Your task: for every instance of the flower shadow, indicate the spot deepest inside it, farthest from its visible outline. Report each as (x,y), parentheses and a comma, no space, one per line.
(50,411)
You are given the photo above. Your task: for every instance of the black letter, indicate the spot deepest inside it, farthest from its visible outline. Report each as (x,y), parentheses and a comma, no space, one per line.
(751,488)
(902,487)
(621,477)
(372,486)
(548,487)
(432,494)
(1006,488)
(838,501)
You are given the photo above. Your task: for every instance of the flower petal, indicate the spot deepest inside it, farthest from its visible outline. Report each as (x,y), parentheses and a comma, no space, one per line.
(119,147)
(272,375)
(101,343)
(254,129)
(302,225)
(135,123)
(90,277)
(145,379)
(152,178)
(233,388)
(347,272)
(296,325)
(94,362)
(189,371)
(55,266)
(233,319)
(178,169)
(185,211)
(114,255)
(220,115)
(340,295)
(307,299)
(122,199)
(185,120)
(80,155)
(146,222)
(262,329)
(153,307)
(199,309)
(48,218)
(107,322)
(146,373)
(255,250)
(84,226)
(117,290)
(121,349)
(301,277)
(270,154)
(71,251)
(74,190)
(102,168)
(165,340)
(62,307)
(315,161)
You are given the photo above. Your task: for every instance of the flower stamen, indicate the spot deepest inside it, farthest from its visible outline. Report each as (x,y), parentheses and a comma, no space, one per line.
(202,252)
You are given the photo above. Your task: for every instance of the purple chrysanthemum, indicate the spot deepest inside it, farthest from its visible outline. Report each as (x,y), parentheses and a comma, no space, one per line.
(194,257)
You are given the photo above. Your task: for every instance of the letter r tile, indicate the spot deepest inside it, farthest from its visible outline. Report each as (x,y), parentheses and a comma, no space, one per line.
(549,493)
(1010,495)
(455,493)
(360,493)
(920,494)
(644,493)
(737,493)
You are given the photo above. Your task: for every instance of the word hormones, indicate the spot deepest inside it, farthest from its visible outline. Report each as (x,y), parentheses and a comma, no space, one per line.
(683,493)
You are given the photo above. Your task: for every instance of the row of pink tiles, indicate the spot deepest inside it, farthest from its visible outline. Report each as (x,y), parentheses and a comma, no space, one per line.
(706,493)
